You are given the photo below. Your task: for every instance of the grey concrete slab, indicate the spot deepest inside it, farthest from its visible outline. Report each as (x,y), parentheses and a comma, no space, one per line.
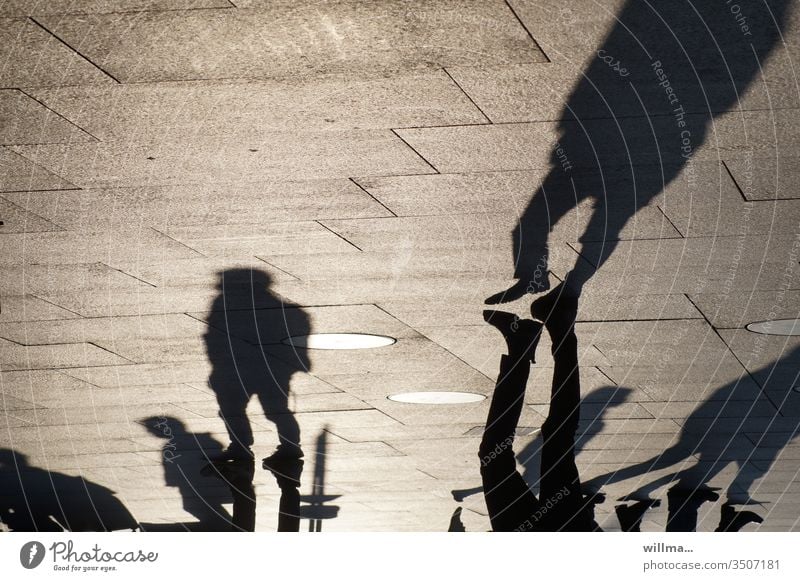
(30,308)
(41,59)
(711,410)
(738,309)
(691,381)
(656,343)
(433,415)
(16,220)
(459,287)
(401,270)
(128,301)
(484,194)
(482,346)
(18,174)
(373,385)
(55,356)
(196,276)
(34,7)
(445,194)
(250,204)
(89,247)
(705,201)
(444,311)
(597,412)
(696,265)
(523,146)
(250,111)
(766,178)
(261,159)
(101,329)
(268,43)
(269,240)
(636,426)
(759,352)
(116,376)
(296,155)
(542,92)
(23,120)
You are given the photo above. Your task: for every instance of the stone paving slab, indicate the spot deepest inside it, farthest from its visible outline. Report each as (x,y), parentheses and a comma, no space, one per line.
(34,7)
(147,146)
(234,204)
(26,121)
(766,178)
(41,59)
(16,220)
(17,174)
(268,42)
(250,111)
(279,156)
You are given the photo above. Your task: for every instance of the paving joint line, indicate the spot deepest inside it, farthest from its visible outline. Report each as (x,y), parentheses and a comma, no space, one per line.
(334,232)
(21,209)
(735,182)
(24,92)
(286,272)
(525,28)
(366,191)
(671,223)
(467,95)
(414,150)
(761,388)
(73,49)
(177,241)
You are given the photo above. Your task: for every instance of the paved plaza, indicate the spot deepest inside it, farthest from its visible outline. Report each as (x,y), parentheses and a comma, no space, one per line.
(184,178)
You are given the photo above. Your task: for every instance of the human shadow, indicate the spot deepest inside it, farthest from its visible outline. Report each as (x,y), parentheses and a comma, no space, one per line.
(245,318)
(633,121)
(38,500)
(511,503)
(530,456)
(724,430)
(247,324)
(183,456)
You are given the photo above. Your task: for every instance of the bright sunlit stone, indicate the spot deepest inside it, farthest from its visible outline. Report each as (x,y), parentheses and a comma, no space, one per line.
(437,397)
(784,327)
(339,341)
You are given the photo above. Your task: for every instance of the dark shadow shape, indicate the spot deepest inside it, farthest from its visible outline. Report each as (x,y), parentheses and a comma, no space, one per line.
(247,321)
(630,516)
(608,396)
(316,510)
(732,521)
(456,526)
(700,436)
(37,500)
(530,456)
(623,137)
(683,504)
(248,328)
(182,456)
(512,505)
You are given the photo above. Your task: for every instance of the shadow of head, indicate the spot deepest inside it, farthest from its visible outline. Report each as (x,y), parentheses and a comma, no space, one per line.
(165,427)
(243,278)
(9,459)
(250,323)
